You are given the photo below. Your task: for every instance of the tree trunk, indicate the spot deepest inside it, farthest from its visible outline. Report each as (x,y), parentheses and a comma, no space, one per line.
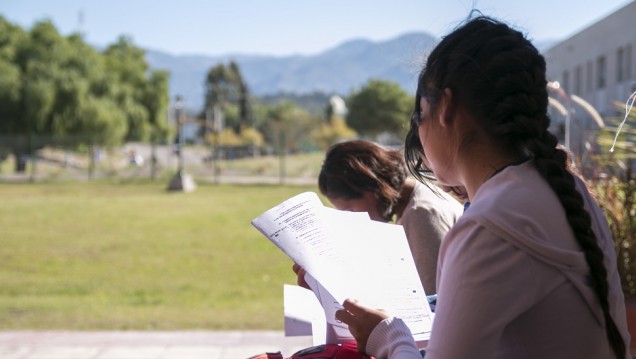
(21,159)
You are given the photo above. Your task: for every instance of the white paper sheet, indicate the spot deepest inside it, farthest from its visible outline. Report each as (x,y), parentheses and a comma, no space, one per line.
(350,256)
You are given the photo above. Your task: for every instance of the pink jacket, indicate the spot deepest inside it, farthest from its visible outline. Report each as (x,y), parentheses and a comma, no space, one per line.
(512,281)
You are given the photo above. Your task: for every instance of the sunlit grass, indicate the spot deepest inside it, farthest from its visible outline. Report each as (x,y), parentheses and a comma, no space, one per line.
(133,256)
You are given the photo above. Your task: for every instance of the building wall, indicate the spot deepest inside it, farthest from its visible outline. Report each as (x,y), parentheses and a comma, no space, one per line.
(597,64)
(586,64)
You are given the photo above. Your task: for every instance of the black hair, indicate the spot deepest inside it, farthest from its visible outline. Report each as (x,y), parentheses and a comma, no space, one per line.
(497,75)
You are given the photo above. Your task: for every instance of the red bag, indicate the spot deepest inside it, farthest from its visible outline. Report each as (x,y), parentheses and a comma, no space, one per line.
(268,355)
(324,351)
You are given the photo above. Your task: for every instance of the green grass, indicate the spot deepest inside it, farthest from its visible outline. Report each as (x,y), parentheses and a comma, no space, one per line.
(112,256)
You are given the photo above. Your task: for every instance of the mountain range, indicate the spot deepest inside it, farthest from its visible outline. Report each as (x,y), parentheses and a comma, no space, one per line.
(338,70)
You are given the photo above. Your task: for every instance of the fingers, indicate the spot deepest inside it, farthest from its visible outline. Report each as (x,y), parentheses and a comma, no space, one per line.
(352,306)
(300,275)
(352,322)
(296,267)
(355,316)
(352,312)
(344,316)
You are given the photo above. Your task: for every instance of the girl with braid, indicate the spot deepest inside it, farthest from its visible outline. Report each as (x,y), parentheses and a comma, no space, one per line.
(529,271)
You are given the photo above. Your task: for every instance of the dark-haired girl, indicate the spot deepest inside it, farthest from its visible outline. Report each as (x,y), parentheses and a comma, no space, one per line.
(529,271)
(363,176)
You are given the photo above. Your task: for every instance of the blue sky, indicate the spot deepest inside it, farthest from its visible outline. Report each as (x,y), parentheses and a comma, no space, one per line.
(286,27)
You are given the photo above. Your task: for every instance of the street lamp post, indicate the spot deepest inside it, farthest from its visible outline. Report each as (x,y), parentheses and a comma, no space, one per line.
(178,108)
(219,124)
(181,181)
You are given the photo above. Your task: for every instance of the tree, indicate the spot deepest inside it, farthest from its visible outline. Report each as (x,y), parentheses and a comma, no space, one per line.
(226,88)
(10,86)
(142,95)
(55,88)
(334,129)
(379,106)
(10,83)
(67,90)
(127,68)
(287,126)
(243,100)
(329,133)
(156,100)
(11,37)
(49,91)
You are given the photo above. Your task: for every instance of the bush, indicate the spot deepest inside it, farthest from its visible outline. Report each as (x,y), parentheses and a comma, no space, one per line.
(611,164)
(616,195)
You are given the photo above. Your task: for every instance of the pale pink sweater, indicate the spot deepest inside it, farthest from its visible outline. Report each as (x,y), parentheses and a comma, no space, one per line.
(513,282)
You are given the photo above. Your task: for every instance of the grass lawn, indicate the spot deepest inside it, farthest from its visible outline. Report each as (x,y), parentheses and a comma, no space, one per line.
(133,256)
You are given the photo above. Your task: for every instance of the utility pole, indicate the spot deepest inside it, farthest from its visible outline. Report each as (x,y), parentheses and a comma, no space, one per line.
(181,181)
(219,123)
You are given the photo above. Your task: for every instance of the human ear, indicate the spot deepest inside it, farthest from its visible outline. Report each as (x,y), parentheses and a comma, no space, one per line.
(445,108)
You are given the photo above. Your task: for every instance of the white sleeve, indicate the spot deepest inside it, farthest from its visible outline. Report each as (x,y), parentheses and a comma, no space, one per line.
(391,338)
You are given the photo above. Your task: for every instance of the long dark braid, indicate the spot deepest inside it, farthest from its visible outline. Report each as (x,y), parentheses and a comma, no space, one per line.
(499,76)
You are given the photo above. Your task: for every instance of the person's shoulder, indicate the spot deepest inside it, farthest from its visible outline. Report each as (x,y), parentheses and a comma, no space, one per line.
(428,195)
(520,186)
(517,197)
(425,203)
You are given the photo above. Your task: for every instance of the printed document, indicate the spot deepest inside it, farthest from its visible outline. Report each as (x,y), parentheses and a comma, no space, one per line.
(347,255)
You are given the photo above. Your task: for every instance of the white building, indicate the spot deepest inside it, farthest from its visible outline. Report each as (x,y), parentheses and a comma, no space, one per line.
(598,66)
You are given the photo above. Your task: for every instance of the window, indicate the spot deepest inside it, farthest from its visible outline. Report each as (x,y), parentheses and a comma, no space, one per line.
(628,62)
(620,65)
(601,69)
(566,81)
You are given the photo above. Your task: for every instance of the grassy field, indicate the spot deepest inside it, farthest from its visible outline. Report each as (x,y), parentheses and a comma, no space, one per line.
(112,256)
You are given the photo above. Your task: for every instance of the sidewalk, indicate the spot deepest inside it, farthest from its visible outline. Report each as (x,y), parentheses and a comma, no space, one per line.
(145,345)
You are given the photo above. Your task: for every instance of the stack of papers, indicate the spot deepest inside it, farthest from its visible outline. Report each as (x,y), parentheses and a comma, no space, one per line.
(346,255)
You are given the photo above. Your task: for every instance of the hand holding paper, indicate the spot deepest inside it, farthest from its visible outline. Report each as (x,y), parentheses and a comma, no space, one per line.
(347,255)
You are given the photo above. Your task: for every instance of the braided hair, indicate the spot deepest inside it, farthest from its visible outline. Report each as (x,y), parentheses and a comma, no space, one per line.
(352,168)
(499,77)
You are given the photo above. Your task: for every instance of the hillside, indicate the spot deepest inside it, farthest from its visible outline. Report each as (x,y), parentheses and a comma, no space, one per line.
(337,70)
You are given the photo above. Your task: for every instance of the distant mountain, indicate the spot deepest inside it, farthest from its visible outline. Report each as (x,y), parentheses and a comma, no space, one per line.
(338,70)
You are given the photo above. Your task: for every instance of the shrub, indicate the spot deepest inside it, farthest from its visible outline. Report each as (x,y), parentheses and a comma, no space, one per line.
(616,195)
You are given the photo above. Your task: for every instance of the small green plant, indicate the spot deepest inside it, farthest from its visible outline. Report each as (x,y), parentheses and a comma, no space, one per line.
(614,183)
(617,197)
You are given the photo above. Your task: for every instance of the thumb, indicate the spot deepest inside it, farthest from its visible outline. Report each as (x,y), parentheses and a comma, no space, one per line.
(352,306)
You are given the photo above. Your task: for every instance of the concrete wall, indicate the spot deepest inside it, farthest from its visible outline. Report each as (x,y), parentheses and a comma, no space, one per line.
(598,64)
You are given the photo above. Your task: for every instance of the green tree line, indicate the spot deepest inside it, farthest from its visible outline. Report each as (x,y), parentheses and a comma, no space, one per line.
(59,86)
(58,90)
(378,107)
